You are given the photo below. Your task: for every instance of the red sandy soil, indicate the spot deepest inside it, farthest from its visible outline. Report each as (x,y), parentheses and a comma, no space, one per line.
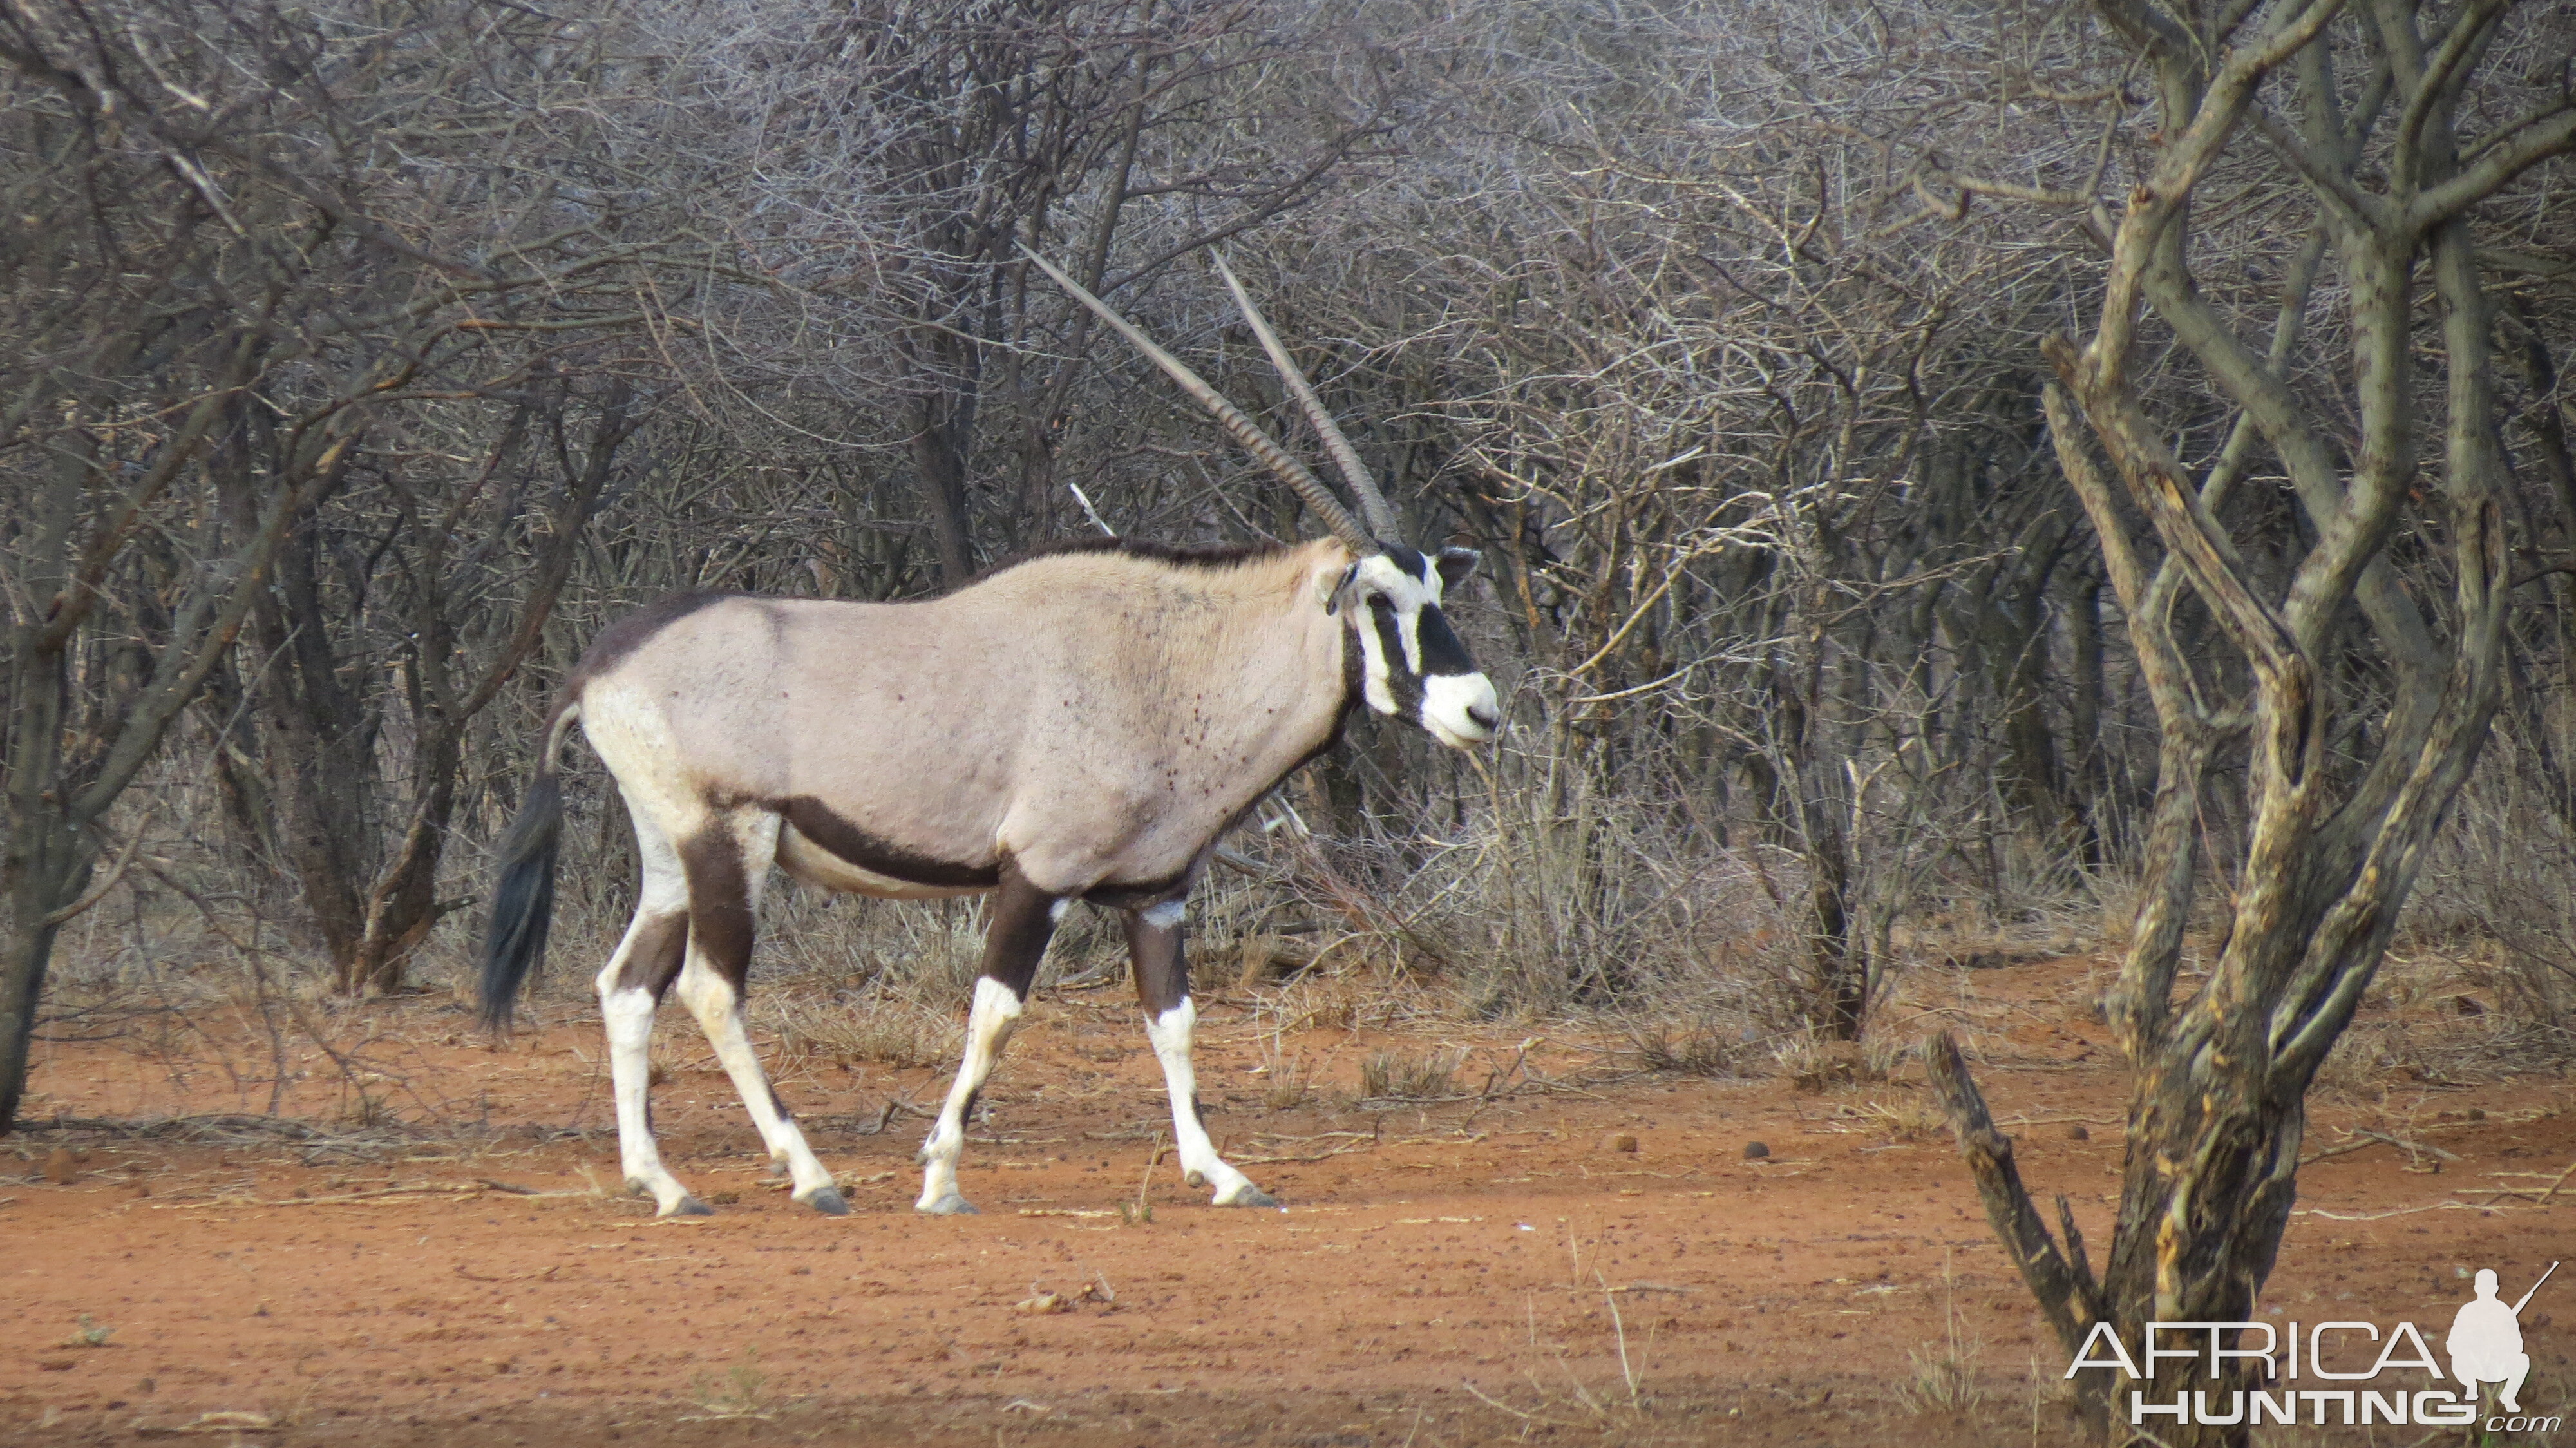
(1465,1272)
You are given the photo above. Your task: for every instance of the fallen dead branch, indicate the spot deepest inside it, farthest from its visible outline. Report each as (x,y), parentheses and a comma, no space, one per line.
(221,1422)
(415,1189)
(2537,1194)
(2451,1205)
(1318,1156)
(193,1128)
(2367,1138)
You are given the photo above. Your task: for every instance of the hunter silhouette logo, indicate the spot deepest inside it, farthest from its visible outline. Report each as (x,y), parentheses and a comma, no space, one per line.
(2486,1341)
(2484,1346)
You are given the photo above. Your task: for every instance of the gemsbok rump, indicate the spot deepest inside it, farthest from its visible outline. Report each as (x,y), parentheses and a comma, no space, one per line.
(1081,725)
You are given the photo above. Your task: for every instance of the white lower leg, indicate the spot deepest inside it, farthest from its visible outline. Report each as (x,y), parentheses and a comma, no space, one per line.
(988,1025)
(1170,1033)
(629,1013)
(712,1000)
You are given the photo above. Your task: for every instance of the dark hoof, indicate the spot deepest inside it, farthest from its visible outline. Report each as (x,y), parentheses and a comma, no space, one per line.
(951,1205)
(689,1207)
(1252,1197)
(829,1202)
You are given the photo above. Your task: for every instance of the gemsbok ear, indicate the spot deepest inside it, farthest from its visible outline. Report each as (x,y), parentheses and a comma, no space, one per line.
(1457,565)
(1329,588)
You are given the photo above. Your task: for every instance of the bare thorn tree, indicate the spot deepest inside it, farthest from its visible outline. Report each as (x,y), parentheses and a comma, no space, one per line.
(2369,125)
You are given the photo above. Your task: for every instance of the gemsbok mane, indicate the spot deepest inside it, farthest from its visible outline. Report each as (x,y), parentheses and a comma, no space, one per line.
(1083,724)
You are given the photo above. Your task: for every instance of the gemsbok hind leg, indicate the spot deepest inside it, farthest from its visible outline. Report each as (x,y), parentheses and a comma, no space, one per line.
(726,865)
(1022,923)
(630,989)
(1163,984)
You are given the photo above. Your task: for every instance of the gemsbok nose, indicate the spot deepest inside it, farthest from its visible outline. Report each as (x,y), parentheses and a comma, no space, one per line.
(1460,709)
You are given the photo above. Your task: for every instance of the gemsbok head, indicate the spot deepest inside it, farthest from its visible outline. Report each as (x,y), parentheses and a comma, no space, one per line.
(1081,725)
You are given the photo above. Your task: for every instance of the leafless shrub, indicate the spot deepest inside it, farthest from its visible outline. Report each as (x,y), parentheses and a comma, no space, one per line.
(2499,906)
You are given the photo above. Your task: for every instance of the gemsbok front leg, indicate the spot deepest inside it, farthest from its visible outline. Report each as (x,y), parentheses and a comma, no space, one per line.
(630,989)
(1163,984)
(726,865)
(1023,921)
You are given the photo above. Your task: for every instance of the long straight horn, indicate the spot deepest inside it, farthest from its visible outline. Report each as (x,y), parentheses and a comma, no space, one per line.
(1231,418)
(1372,503)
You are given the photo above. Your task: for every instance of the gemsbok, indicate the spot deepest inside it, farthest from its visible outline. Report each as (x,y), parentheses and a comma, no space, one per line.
(1084,724)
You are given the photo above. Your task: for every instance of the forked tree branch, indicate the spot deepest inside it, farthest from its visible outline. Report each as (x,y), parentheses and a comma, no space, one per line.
(2531,140)
(2066,1291)
(2181,519)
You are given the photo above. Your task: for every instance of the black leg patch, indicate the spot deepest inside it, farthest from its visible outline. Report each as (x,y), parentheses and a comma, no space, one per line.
(719,904)
(653,960)
(1017,939)
(1162,970)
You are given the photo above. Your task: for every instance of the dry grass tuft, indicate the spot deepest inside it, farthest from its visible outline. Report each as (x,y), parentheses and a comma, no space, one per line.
(1812,1064)
(852,1030)
(1904,1119)
(1562,1401)
(742,1393)
(1693,1048)
(1287,1084)
(1391,1076)
(1944,1375)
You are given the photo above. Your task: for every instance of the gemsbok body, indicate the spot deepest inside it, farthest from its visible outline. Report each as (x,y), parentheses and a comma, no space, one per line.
(1082,725)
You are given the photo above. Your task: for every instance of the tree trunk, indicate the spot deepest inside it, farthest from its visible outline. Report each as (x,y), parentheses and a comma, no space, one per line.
(321,756)
(404,906)
(48,863)
(38,893)
(942,430)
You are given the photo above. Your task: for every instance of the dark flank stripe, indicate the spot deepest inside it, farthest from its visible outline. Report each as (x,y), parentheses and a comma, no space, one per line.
(818,822)
(1137,896)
